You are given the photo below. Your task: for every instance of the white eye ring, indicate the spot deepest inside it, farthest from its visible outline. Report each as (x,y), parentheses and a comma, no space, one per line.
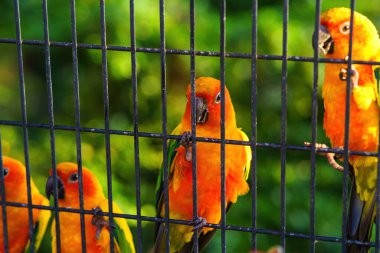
(73,178)
(218,98)
(345,28)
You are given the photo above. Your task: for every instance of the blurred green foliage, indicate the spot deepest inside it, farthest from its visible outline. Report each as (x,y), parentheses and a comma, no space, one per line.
(238,79)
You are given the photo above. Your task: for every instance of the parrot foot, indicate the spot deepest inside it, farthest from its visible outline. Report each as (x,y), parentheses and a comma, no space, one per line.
(330,156)
(99,221)
(354,75)
(199,223)
(186,142)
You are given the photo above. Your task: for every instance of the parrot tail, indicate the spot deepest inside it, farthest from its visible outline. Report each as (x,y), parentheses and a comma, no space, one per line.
(361,216)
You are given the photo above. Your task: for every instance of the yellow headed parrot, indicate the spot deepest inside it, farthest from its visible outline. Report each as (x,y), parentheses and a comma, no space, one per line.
(15,186)
(333,42)
(96,226)
(237,165)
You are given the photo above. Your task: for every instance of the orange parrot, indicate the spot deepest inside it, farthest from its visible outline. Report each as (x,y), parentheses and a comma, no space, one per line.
(17,217)
(237,165)
(364,110)
(96,226)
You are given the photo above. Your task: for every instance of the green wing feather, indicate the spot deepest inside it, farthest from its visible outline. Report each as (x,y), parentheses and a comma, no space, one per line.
(41,229)
(123,235)
(377,87)
(173,144)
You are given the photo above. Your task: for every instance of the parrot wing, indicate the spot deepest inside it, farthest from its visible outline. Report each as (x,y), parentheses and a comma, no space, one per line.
(40,229)
(362,203)
(172,146)
(376,71)
(248,153)
(123,236)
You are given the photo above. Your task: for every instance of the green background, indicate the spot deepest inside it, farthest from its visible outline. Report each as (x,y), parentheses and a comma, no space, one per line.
(238,78)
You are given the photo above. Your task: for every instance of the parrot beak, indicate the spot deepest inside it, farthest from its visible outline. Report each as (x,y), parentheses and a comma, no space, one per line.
(49,188)
(201,110)
(325,42)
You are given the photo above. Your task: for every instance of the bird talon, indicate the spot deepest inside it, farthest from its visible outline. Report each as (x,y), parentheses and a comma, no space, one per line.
(329,156)
(186,142)
(353,73)
(198,224)
(99,221)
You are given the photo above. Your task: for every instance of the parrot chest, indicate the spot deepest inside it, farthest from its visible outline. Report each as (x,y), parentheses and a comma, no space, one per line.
(70,230)
(363,119)
(18,233)
(208,181)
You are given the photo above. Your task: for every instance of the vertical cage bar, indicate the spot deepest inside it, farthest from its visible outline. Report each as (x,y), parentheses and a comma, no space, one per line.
(314,121)
(135,124)
(164,123)
(284,119)
(222,124)
(4,247)
(51,121)
(254,124)
(24,121)
(193,123)
(77,120)
(346,151)
(106,118)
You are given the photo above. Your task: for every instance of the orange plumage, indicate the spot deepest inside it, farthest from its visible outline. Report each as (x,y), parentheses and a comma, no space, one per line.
(364,109)
(93,197)
(208,166)
(15,187)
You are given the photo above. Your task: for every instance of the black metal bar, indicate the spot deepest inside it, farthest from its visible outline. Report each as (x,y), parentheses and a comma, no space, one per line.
(106,119)
(24,121)
(77,120)
(262,231)
(178,137)
(186,52)
(284,119)
(346,148)
(222,124)
(314,121)
(4,205)
(135,124)
(51,121)
(254,123)
(193,122)
(164,124)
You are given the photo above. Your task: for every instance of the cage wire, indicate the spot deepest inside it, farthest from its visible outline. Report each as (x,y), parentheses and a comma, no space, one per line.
(283,233)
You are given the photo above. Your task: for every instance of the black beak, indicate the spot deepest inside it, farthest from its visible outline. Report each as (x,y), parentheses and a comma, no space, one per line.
(202,110)
(49,188)
(324,42)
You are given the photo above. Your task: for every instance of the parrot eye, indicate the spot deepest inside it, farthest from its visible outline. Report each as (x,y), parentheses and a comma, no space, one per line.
(73,177)
(218,98)
(5,171)
(345,28)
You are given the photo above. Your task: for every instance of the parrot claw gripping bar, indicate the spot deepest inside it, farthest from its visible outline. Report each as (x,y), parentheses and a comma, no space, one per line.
(330,156)
(99,221)
(199,223)
(186,142)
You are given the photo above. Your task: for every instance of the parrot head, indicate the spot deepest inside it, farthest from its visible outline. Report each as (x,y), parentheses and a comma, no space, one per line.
(208,104)
(334,34)
(14,173)
(68,186)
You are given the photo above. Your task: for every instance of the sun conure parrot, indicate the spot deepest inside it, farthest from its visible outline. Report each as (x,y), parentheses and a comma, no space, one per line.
(96,226)
(237,165)
(15,187)
(333,42)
